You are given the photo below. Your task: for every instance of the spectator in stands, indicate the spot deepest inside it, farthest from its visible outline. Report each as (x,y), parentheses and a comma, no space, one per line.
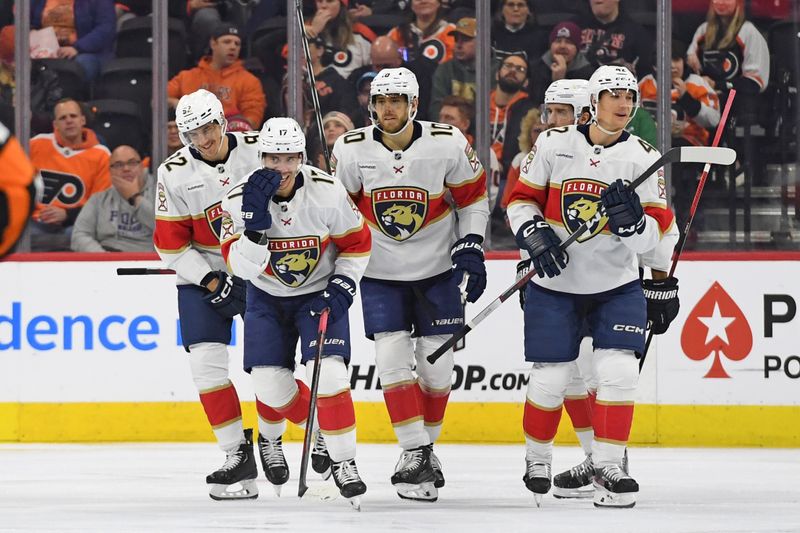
(121,218)
(730,50)
(204,17)
(562,60)
(334,125)
(74,166)
(128,9)
(457,76)
(347,43)
(610,37)
(514,31)
(174,142)
(223,74)
(425,34)
(530,128)
(512,78)
(85,30)
(363,86)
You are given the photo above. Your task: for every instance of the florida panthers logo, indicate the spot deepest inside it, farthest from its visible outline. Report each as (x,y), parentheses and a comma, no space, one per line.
(293,260)
(580,202)
(214,215)
(400,211)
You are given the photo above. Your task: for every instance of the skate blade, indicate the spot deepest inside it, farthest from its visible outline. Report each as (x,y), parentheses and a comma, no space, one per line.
(243,490)
(568,494)
(424,492)
(538,499)
(603,498)
(355,501)
(322,493)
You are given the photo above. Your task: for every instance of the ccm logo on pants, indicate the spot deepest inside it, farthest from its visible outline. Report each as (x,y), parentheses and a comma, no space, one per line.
(628,329)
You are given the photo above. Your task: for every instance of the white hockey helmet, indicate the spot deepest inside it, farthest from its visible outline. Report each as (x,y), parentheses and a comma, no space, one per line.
(611,78)
(569,92)
(281,135)
(394,81)
(198,109)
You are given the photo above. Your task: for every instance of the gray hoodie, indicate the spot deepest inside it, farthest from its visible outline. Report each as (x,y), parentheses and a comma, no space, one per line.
(108,222)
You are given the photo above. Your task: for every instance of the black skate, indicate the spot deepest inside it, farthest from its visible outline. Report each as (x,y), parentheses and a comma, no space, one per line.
(537,479)
(239,469)
(274,462)
(320,460)
(614,488)
(570,484)
(414,477)
(437,471)
(345,475)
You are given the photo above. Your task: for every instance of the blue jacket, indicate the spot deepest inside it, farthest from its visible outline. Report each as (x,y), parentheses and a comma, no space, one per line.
(95,24)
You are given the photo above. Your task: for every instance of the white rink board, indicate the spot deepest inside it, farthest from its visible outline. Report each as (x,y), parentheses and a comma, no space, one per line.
(38,365)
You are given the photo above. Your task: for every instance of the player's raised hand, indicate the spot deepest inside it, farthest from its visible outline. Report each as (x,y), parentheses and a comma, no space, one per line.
(256,194)
(467,257)
(538,238)
(337,296)
(624,210)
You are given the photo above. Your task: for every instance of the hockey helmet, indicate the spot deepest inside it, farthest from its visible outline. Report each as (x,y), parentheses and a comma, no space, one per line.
(394,81)
(569,92)
(281,135)
(198,109)
(611,78)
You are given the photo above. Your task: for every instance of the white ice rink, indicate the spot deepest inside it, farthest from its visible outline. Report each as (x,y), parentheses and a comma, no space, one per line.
(160,487)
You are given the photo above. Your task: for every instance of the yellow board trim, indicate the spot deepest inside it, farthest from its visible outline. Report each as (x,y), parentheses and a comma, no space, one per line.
(654,425)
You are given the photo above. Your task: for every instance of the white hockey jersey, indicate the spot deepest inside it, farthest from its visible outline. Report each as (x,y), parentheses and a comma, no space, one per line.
(403,196)
(562,179)
(188,208)
(317,232)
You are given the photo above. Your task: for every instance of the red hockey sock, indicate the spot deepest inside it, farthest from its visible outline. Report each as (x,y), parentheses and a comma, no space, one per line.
(221,405)
(268,413)
(612,422)
(580,412)
(404,403)
(336,413)
(434,405)
(540,423)
(297,409)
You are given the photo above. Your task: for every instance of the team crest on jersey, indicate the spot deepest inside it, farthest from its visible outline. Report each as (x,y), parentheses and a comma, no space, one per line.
(433,50)
(161,198)
(526,164)
(294,259)
(472,157)
(214,215)
(400,211)
(580,202)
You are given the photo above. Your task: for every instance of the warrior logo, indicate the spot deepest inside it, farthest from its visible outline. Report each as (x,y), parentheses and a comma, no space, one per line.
(214,215)
(294,259)
(65,188)
(400,211)
(580,202)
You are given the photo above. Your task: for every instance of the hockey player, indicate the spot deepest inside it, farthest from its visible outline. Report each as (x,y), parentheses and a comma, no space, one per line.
(310,259)
(398,171)
(191,185)
(573,175)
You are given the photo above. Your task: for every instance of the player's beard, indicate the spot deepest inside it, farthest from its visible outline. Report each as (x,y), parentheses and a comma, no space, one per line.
(401,122)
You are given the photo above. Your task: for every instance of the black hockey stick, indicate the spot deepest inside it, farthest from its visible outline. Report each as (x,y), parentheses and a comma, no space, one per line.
(681,154)
(695,201)
(312,404)
(138,271)
(313,82)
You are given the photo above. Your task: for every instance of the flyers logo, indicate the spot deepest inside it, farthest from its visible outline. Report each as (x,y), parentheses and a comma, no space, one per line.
(68,189)
(580,202)
(433,50)
(293,260)
(400,211)
(214,215)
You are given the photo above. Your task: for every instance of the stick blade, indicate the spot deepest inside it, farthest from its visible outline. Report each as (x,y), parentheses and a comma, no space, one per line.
(708,154)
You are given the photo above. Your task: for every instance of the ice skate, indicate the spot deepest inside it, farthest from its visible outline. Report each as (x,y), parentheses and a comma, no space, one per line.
(345,475)
(414,477)
(537,479)
(273,462)
(614,488)
(320,460)
(575,482)
(436,465)
(235,480)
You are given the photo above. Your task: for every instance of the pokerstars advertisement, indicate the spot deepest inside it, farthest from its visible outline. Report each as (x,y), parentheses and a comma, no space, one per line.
(737,337)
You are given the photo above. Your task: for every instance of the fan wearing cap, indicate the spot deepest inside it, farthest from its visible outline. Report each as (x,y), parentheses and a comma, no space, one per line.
(223,74)
(457,76)
(563,60)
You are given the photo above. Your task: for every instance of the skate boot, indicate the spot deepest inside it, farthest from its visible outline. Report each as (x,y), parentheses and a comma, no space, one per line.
(570,484)
(320,460)
(614,488)
(437,471)
(239,469)
(414,477)
(537,479)
(345,475)
(273,462)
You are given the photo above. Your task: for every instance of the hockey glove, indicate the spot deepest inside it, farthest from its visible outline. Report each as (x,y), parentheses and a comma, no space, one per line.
(662,303)
(467,257)
(257,192)
(538,238)
(337,296)
(230,297)
(623,209)
(522,268)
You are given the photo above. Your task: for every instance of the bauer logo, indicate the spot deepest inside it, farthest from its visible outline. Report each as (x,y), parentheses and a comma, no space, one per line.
(400,211)
(716,327)
(580,203)
(293,260)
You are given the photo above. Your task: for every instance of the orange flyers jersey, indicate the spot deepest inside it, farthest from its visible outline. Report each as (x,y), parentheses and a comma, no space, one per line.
(70,175)
(188,206)
(748,57)
(315,234)
(16,188)
(406,195)
(562,178)
(437,47)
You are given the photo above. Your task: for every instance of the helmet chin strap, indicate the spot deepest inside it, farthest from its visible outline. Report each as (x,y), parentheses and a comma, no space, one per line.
(373,117)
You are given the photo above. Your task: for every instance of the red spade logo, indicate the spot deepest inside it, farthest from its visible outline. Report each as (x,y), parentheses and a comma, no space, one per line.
(716,324)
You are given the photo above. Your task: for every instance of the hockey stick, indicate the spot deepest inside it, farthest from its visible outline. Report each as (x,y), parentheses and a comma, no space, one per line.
(693,209)
(680,154)
(313,82)
(312,404)
(143,271)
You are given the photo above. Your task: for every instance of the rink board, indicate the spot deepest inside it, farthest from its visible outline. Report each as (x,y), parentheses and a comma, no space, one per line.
(96,357)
